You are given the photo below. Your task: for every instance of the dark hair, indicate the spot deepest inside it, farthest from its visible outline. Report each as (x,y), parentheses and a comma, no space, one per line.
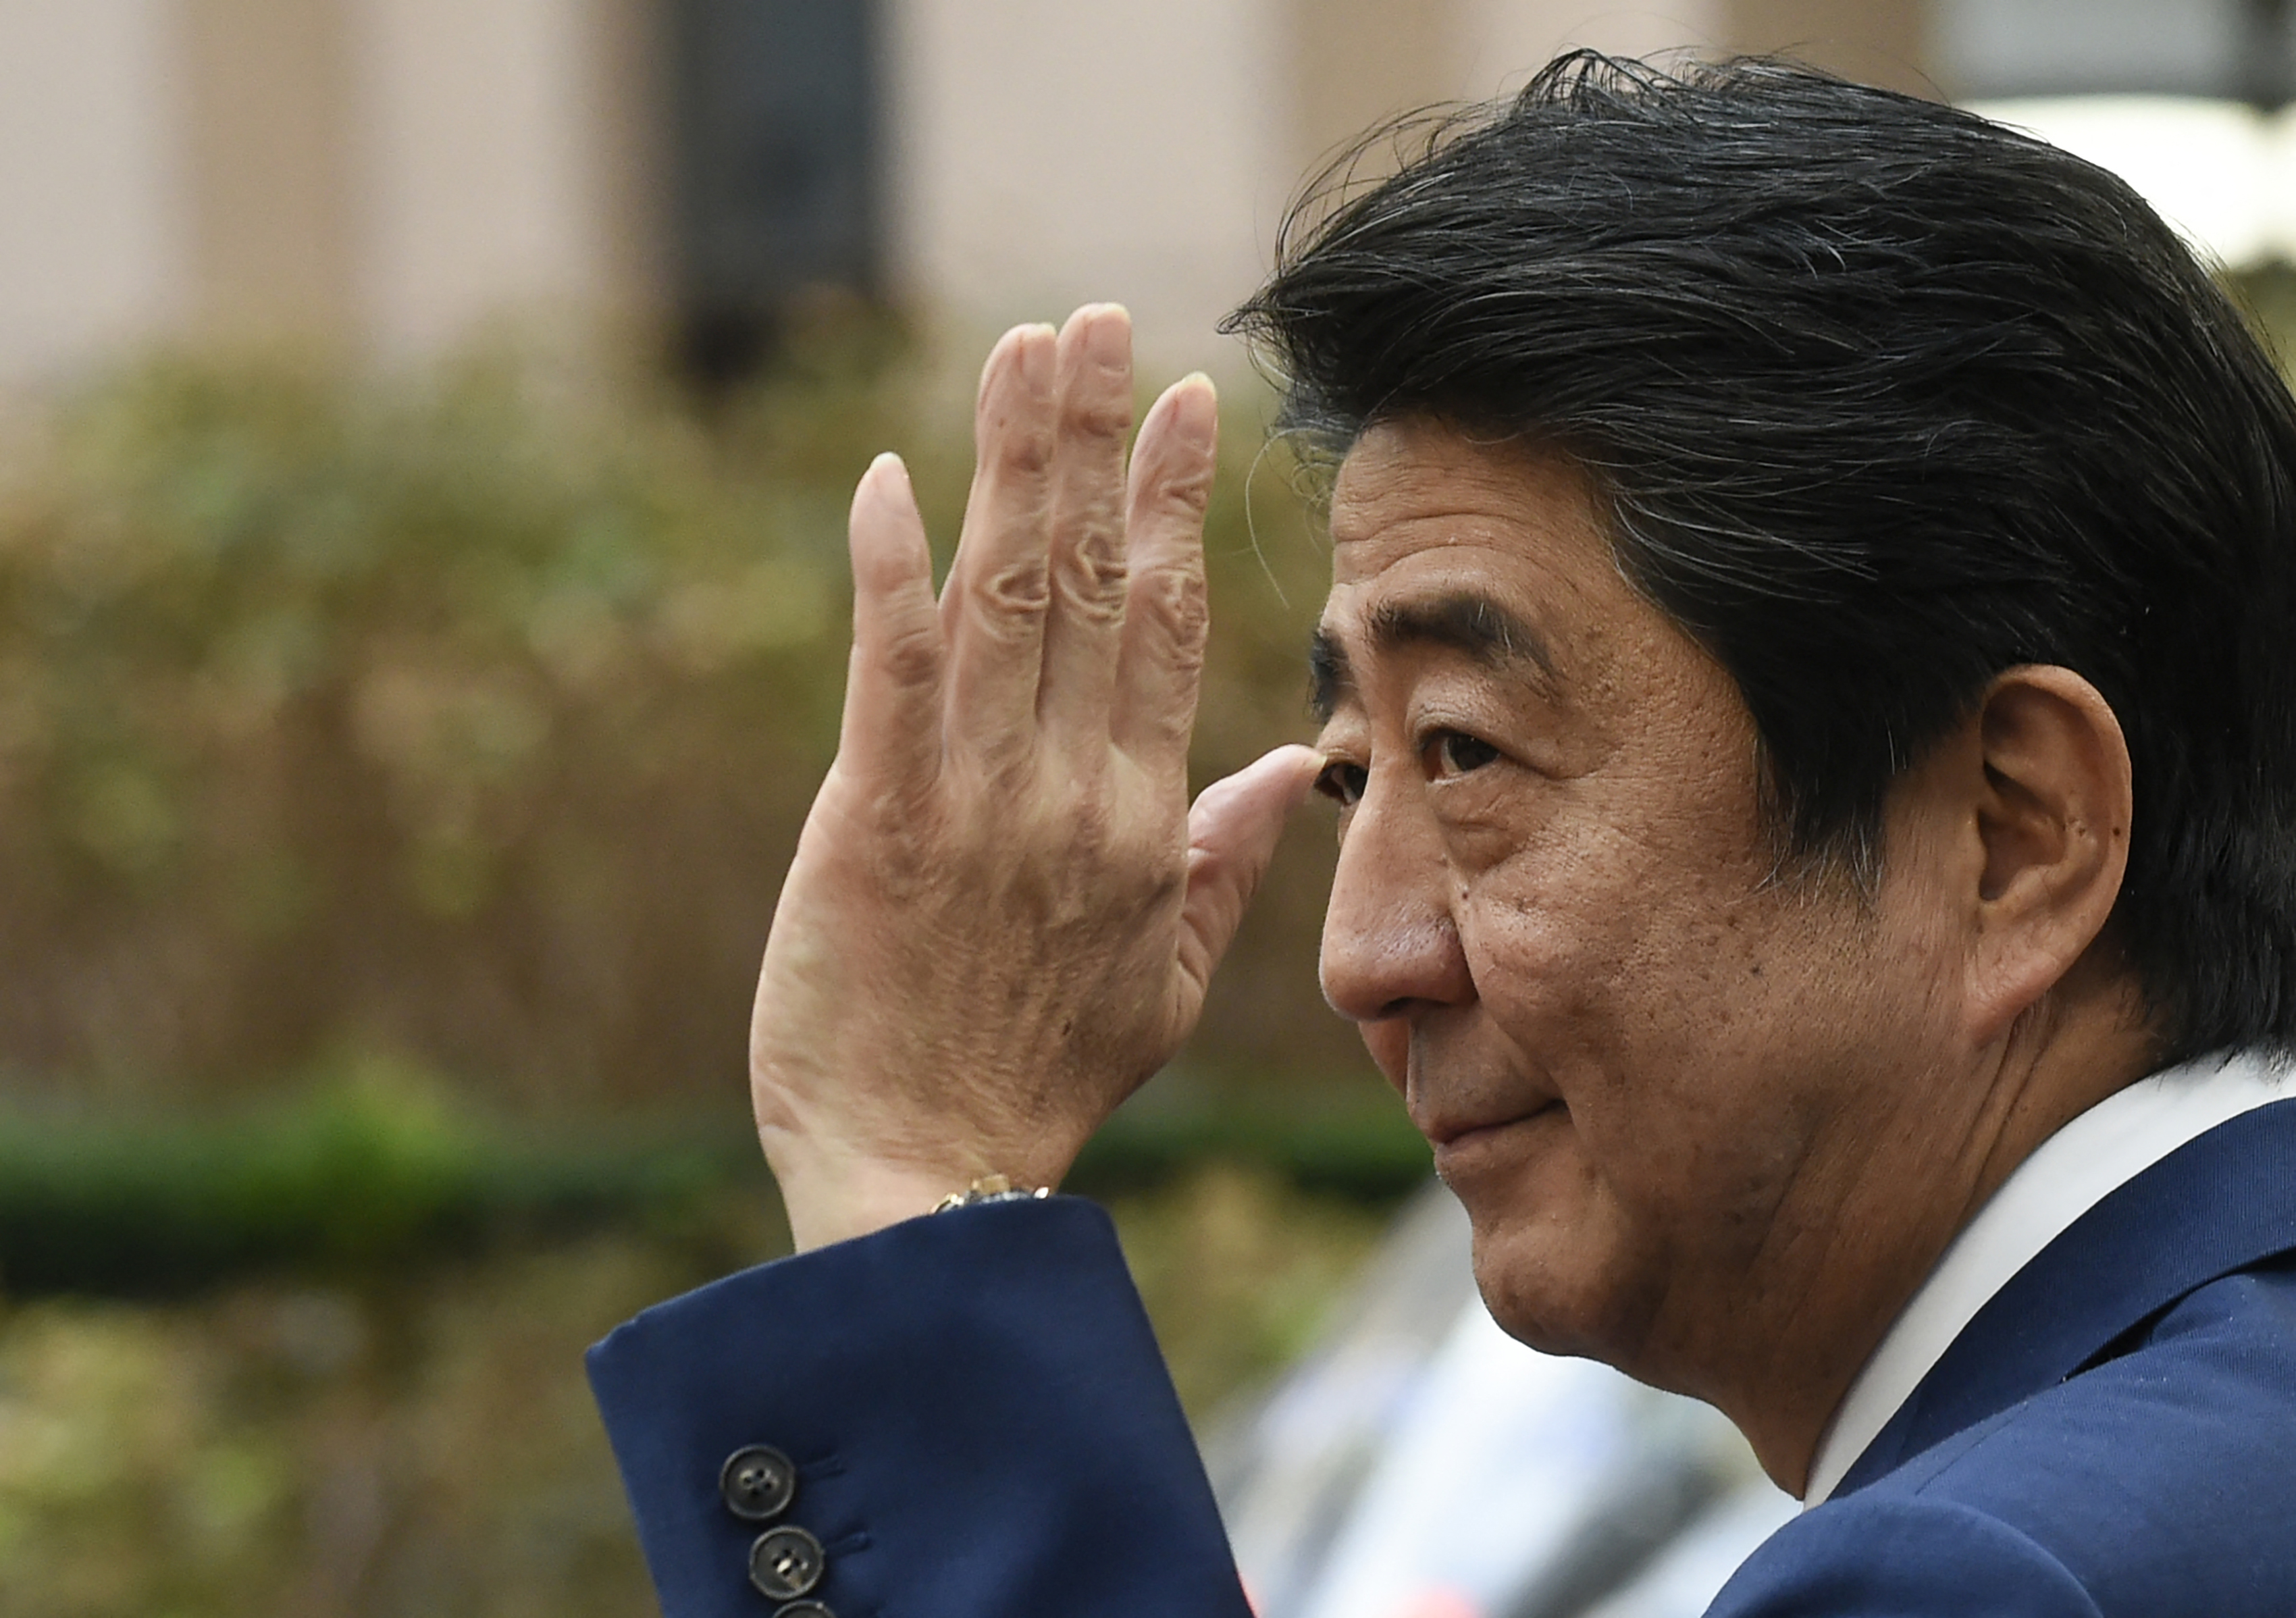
(1882,399)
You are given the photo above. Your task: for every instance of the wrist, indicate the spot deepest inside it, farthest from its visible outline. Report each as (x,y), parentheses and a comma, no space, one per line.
(829,1204)
(831,1195)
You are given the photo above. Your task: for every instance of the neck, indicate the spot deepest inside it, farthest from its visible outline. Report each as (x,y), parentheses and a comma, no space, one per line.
(1912,1186)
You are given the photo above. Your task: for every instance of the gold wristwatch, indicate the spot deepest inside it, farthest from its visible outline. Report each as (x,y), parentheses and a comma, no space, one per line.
(989,1189)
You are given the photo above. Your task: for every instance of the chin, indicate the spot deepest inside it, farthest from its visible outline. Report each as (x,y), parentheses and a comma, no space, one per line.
(1557,1273)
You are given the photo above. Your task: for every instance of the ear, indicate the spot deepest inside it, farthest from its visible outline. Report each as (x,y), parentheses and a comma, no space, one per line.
(2052,804)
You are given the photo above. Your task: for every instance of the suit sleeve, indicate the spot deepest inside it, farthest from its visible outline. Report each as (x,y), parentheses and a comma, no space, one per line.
(977,1419)
(1890,1556)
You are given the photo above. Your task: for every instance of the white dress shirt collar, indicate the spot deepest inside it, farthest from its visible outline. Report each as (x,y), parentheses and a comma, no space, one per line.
(2070,1173)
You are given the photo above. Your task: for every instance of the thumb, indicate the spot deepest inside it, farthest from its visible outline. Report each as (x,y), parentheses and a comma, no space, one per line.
(1232,835)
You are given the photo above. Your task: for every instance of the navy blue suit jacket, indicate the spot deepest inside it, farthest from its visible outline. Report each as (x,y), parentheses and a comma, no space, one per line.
(982,1427)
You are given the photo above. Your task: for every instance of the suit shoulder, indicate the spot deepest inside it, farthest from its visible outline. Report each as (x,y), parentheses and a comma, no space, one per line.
(2160,1480)
(1897,1556)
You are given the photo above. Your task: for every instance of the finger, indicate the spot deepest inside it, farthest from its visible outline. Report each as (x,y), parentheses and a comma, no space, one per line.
(1083,628)
(1168,613)
(1232,835)
(893,685)
(993,607)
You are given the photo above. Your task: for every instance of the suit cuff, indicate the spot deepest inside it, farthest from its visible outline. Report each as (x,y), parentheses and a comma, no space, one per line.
(978,1415)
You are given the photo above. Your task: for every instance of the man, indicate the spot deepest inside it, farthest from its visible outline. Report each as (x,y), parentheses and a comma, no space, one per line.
(1809,690)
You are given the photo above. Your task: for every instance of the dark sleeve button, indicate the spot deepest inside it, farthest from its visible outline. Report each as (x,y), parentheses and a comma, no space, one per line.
(758,1483)
(803,1609)
(786,1562)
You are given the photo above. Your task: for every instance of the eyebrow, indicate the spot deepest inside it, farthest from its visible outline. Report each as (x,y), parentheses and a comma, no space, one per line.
(1464,621)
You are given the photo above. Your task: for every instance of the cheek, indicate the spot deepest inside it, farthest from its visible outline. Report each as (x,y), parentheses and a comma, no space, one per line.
(1655,1005)
(1555,940)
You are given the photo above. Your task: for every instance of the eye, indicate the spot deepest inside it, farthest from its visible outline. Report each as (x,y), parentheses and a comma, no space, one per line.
(1343,783)
(1456,752)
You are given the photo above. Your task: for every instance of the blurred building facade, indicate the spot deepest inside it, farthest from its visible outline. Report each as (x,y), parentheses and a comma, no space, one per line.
(388,177)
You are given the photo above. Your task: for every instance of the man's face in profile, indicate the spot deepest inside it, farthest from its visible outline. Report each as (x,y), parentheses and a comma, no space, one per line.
(1673,1086)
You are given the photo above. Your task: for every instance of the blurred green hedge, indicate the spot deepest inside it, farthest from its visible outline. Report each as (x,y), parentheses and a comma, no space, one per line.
(471,717)
(379,1170)
(347,1182)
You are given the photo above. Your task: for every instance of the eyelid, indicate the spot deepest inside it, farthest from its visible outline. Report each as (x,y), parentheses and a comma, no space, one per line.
(1438,737)
(1438,730)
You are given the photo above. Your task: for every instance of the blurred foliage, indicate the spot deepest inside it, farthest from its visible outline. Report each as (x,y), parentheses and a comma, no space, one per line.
(360,1179)
(472,717)
(1239,1268)
(320,1452)
(1340,1141)
(367,1176)
(391,1450)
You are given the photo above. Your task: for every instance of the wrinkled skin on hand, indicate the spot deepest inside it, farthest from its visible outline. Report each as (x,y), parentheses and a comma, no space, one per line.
(1003,914)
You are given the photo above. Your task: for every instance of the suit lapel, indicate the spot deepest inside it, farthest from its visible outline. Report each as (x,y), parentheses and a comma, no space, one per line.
(2221,1203)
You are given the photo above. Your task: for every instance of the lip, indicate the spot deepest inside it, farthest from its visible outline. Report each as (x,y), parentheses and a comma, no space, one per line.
(1445,1134)
(1471,1154)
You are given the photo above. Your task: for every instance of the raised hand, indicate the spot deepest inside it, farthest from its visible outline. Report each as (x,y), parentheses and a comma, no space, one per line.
(1003,914)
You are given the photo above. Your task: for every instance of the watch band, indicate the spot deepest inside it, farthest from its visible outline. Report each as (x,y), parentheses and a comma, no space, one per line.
(989,1189)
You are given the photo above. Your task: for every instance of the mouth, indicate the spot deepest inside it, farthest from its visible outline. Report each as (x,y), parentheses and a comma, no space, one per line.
(1450,1137)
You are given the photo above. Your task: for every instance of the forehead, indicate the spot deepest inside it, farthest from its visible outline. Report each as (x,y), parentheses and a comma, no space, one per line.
(1409,471)
(1423,512)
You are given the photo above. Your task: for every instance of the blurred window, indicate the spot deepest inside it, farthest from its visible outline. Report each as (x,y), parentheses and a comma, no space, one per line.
(2233,49)
(775,121)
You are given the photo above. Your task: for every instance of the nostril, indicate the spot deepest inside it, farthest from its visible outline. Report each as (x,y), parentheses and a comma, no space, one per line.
(1395,972)
(1390,946)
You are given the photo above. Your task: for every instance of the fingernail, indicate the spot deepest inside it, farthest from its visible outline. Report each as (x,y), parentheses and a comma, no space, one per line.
(1012,339)
(1195,401)
(1036,357)
(1108,336)
(887,481)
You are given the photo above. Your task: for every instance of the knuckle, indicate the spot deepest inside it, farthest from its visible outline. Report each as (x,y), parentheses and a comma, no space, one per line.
(1178,601)
(1005,764)
(1097,415)
(1090,818)
(912,657)
(1096,576)
(1026,455)
(1017,589)
(1080,810)
(883,832)
(1189,496)
(1168,881)
(904,855)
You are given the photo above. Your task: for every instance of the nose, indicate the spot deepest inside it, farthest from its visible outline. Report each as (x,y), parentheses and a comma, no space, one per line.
(1391,937)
